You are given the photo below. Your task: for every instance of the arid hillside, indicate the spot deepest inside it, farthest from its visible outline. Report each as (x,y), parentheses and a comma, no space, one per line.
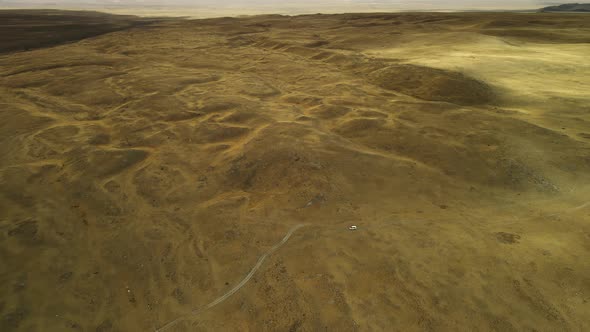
(149,174)
(23,30)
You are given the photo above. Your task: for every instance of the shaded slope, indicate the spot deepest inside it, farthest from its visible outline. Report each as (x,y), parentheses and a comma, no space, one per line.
(22,30)
(568,7)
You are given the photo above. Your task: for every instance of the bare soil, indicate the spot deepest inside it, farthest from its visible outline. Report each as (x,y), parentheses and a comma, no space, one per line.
(146,168)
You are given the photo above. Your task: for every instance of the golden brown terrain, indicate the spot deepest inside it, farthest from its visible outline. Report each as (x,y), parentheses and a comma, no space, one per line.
(145,171)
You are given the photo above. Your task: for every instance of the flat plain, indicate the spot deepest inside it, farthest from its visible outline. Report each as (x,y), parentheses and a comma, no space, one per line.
(147,166)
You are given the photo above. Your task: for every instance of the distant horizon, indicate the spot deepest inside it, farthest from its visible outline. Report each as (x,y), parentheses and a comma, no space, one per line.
(408,4)
(210,8)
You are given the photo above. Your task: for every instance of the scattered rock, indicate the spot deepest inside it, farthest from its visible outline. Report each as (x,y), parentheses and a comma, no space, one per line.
(12,320)
(178,295)
(317,199)
(25,230)
(507,238)
(100,139)
(105,326)
(65,277)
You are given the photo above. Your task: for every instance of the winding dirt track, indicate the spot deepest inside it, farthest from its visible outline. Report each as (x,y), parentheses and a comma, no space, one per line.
(239,285)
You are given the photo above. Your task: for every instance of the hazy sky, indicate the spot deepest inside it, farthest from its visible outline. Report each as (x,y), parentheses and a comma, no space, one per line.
(434,3)
(287,6)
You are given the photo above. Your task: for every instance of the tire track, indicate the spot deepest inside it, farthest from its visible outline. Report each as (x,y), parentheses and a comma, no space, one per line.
(239,285)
